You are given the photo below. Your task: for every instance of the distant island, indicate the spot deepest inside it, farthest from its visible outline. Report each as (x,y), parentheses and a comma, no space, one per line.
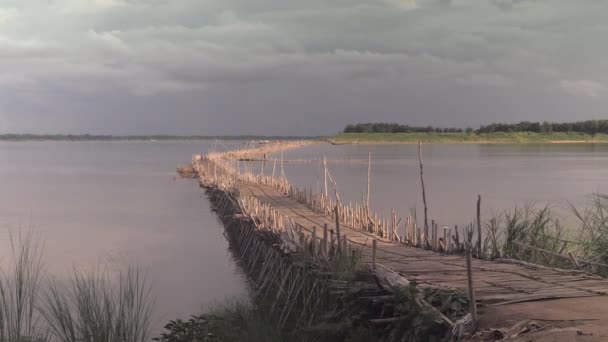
(522,132)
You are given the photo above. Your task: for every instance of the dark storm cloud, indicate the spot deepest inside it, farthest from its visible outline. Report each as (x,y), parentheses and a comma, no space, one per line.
(284,67)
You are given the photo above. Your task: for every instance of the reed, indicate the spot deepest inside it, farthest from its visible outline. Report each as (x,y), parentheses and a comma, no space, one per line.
(593,220)
(19,288)
(92,309)
(520,232)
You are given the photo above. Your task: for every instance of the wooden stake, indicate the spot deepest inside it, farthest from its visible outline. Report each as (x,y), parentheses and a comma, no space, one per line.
(324,243)
(313,245)
(325,176)
(472,302)
(479,226)
(426,221)
(369,171)
(337,211)
(433,236)
(374,246)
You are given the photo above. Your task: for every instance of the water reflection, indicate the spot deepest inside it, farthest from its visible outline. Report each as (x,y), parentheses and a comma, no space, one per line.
(505,175)
(116,203)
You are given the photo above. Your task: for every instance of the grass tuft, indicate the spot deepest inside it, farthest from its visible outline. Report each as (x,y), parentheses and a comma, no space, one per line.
(91,309)
(19,289)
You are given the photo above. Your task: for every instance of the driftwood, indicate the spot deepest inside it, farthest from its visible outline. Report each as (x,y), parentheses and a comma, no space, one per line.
(392,281)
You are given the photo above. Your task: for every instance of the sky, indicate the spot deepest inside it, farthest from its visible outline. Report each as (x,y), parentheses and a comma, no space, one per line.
(285,67)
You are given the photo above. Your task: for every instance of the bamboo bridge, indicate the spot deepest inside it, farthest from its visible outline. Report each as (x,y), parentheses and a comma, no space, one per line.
(397,250)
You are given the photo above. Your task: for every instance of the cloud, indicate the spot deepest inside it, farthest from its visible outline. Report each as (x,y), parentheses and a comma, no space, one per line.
(583,88)
(233,66)
(79,7)
(404,5)
(7,15)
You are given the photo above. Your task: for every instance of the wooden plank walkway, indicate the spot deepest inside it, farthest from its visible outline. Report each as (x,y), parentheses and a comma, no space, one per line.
(495,283)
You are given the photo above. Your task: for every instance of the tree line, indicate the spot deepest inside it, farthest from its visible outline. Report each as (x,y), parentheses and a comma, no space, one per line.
(380,127)
(588,126)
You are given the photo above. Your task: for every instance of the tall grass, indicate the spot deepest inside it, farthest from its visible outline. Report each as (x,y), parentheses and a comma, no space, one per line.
(594,228)
(19,287)
(92,309)
(521,233)
(534,227)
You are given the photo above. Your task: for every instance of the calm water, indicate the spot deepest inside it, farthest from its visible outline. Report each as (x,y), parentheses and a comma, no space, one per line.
(116,203)
(505,175)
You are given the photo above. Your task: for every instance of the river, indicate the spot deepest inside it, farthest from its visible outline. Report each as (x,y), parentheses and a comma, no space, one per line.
(504,175)
(102,204)
(113,204)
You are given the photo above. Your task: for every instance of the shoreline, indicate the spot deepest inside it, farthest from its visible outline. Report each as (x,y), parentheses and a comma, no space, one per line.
(485,142)
(467,138)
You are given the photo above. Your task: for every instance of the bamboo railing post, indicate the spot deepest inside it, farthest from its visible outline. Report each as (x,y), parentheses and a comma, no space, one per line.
(325,176)
(337,212)
(313,245)
(331,240)
(324,243)
(433,242)
(369,171)
(374,247)
(426,221)
(479,226)
(472,302)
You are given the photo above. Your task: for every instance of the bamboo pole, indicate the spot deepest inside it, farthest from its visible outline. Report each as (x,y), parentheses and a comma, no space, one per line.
(313,245)
(337,211)
(369,172)
(374,247)
(479,226)
(325,176)
(324,243)
(472,302)
(426,221)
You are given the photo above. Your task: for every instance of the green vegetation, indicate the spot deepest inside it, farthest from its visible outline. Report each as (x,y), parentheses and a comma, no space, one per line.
(594,229)
(90,307)
(536,235)
(521,232)
(456,138)
(517,133)
(19,286)
(242,320)
(587,127)
(233,321)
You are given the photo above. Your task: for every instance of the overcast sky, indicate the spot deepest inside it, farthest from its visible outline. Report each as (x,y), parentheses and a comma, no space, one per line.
(297,67)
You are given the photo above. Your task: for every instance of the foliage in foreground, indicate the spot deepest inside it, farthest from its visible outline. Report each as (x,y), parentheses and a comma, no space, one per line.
(19,291)
(241,320)
(90,307)
(594,228)
(233,321)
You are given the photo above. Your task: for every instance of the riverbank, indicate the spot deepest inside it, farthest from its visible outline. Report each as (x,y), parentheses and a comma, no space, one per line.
(467,138)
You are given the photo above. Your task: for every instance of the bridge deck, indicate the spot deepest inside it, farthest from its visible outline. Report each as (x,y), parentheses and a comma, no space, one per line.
(495,283)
